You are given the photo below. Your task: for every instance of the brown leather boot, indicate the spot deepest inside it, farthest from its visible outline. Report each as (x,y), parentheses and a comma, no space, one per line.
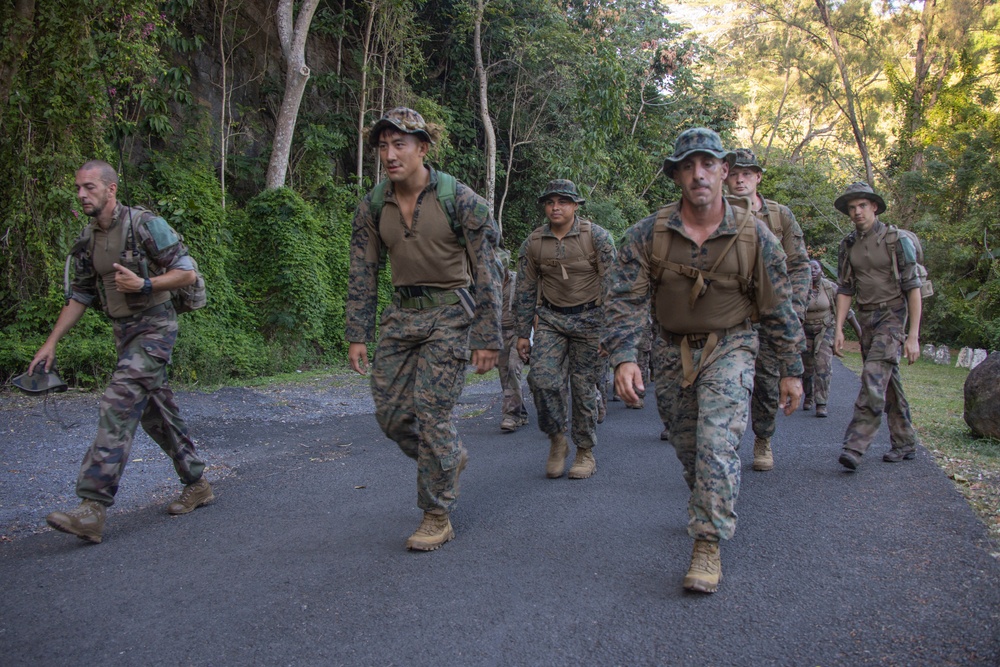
(432,532)
(192,497)
(86,521)
(557,456)
(763,459)
(705,573)
(584,465)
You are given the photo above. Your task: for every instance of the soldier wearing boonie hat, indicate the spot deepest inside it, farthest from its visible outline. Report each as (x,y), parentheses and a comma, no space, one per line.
(694,258)
(877,268)
(743,180)
(441,242)
(562,279)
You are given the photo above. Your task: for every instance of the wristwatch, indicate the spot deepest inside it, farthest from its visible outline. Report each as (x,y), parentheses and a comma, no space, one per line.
(147,287)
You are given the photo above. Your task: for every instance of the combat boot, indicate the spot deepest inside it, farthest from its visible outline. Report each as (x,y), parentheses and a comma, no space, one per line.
(86,521)
(557,455)
(192,497)
(821,410)
(432,532)
(665,433)
(705,573)
(807,404)
(602,412)
(510,424)
(584,465)
(850,459)
(763,459)
(895,455)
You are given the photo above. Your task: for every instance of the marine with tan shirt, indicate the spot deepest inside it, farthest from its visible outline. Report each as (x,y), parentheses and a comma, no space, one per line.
(884,282)
(562,272)
(441,240)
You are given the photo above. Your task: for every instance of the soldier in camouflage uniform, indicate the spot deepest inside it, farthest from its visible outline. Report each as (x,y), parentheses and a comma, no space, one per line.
(706,286)
(742,181)
(445,311)
(515,415)
(887,292)
(145,329)
(563,267)
(817,360)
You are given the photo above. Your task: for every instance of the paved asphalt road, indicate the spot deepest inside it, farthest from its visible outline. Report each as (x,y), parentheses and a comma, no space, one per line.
(300,561)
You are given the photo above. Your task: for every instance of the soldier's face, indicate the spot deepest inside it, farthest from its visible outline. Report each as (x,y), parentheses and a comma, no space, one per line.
(743,181)
(93,193)
(700,177)
(402,155)
(862,213)
(560,210)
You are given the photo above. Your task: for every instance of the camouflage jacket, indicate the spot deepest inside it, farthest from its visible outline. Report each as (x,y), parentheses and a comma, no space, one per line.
(527,292)
(627,309)
(161,245)
(796,257)
(482,238)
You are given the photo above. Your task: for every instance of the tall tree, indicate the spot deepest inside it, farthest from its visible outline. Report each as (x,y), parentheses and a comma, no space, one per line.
(292,33)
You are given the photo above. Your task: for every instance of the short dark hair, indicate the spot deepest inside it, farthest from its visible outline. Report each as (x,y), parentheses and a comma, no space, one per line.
(107,172)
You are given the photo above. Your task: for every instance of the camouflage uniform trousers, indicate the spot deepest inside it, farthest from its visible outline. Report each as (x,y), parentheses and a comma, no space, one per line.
(707,421)
(657,369)
(138,393)
(817,362)
(565,351)
(766,390)
(417,376)
(883,332)
(510,367)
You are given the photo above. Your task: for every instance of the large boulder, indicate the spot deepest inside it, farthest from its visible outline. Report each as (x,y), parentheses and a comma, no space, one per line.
(982,398)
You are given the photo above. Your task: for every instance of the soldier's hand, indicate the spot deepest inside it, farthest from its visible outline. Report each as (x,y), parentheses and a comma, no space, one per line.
(628,379)
(838,343)
(911,349)
(45,357)
(357,353)
(791,395)
(485,360)
(524,349)
(126,280)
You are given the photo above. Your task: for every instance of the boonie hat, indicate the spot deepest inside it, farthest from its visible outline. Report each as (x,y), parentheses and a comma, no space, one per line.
(697,140)
(405,120)
(859,190)
(561,186)
(746,158)
(39,382)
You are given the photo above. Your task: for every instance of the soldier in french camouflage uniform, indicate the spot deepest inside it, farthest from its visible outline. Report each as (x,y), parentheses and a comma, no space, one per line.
(817,360)
(515,414)
(445,312)
(709,264)
(743,180)
(887,292)
(562,268)
(145,328)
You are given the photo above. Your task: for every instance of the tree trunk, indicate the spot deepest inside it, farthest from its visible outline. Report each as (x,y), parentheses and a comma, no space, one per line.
(363,93)
(484,107)
(293,47)
(852,116)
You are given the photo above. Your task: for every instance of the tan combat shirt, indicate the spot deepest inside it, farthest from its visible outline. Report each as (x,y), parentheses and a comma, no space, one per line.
(871,278)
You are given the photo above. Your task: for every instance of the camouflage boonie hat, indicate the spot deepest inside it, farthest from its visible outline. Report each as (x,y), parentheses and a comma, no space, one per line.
(39,382)
(561,186)
(859,190)
(746,158)
(403,119)
(697,140)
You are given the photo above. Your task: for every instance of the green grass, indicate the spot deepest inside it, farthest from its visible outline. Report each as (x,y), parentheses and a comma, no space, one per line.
(936,401)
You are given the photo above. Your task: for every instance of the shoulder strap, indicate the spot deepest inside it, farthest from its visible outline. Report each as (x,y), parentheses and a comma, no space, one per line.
(587,238)
(891,239)
(661,242)
(446,189)
(774,218)
(378,201)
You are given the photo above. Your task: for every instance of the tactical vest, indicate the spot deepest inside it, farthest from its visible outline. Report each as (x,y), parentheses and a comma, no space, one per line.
(574,279)
(774,218)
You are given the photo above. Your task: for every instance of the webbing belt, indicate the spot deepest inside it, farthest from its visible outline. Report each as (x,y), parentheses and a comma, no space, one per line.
(705,342)
(891,303)
(429,299)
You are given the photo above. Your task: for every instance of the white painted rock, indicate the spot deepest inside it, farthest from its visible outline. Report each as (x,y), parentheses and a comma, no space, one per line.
(943,356)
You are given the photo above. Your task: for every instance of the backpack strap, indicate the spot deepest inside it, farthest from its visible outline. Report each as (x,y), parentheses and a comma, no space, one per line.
(661,242)
(774,218)
(891,241)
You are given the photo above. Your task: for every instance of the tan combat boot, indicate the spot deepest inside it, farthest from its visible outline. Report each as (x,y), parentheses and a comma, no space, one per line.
(192,497)
(763,459)
(86,521)
(584,465)
(705,573)
(557,456)
(432,532)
